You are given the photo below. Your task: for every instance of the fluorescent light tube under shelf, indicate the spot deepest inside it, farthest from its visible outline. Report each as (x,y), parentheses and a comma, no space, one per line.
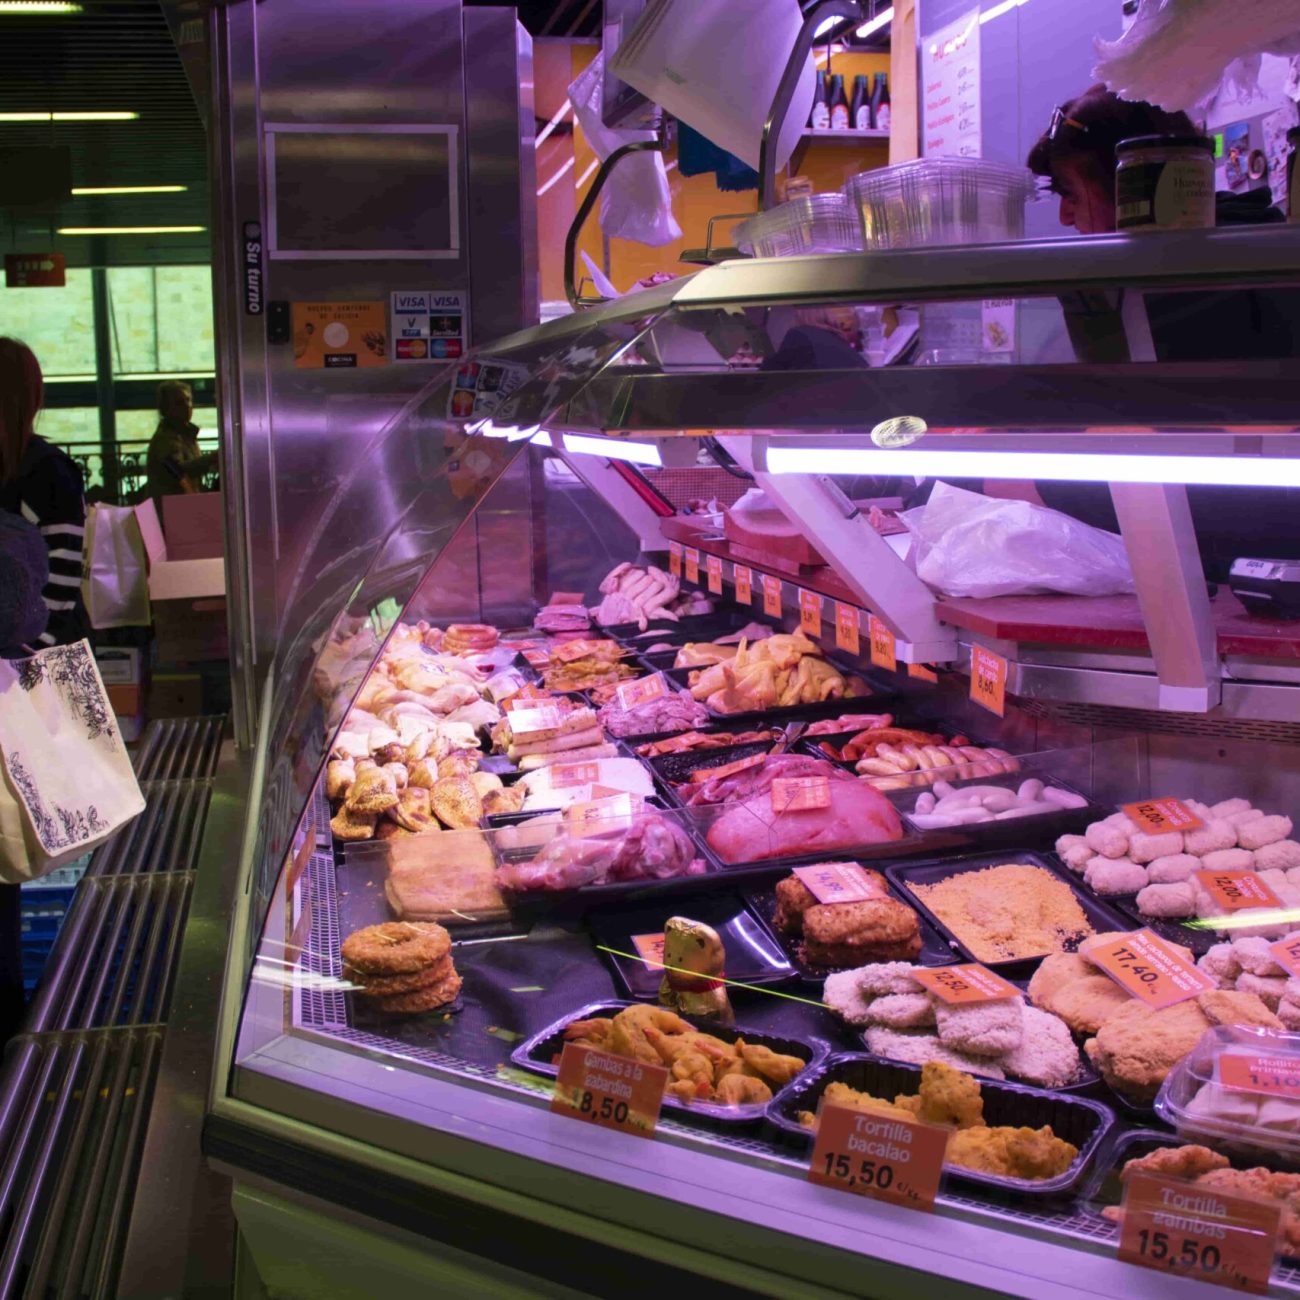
(638,453)
(1072,467)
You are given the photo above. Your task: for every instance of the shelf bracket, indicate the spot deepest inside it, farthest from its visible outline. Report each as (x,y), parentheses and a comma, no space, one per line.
(614,490)
(878,577)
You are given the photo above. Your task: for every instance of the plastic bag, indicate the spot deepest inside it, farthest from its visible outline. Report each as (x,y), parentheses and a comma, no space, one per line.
(966,544)
(636,202)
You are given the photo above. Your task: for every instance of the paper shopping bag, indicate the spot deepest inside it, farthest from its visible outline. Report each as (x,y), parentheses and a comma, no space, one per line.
(115,569)
(66,782)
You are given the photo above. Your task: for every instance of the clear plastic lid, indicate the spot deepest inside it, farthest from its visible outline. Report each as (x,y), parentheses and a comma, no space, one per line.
(1238,1087)
(814,223)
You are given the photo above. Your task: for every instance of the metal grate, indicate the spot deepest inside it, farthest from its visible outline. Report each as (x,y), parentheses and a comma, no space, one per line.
(165,837)
(316,1006)
(180,748)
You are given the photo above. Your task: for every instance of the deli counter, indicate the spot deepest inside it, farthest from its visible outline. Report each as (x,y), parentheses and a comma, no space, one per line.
(549,717)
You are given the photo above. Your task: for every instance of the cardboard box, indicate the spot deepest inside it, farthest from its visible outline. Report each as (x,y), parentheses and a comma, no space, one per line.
(175,695)
(190,631)
(188,595)
(194,525)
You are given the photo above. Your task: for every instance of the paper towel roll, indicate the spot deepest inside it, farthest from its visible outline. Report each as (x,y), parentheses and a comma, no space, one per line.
(716,66)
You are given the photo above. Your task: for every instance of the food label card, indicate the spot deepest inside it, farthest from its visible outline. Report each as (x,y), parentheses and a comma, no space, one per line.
(1156,816)
(535,724)
(1286,952)
(1275,1076)
(1148,968)
(702,774)
(650,948)
(632,695)
(563,776)
(744,585)
(536,658)
(713,567)
(810,612)
(1176,1227)
(922,673)
(611,1091)
(840,882)
(566,598)
(884,649)
(568,651)
(611,816)
(771,596)
(846,629)
(525,698)
(504,685)
(800,793)
(964,985)
(988,680)
(887,1157)
(1234,891)
(675,559)
(692,564)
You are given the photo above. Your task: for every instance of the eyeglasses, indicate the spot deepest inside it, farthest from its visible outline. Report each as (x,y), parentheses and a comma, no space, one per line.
(1059,120)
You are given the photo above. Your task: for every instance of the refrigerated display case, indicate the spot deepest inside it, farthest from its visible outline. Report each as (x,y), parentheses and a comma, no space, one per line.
(380,1151)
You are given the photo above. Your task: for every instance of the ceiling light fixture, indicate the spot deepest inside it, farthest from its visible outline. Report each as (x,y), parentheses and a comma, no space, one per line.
(88,116)
(637,453)
(38,7)
(880,20)
(1068,467)
(130,230)
(85,191)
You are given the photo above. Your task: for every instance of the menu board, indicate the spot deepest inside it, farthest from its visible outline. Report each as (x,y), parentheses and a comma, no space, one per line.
(950,84)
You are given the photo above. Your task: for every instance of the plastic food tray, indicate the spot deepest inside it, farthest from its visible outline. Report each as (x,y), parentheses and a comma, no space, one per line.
(695,627)
(940,201)
(1075,1119)
(1101,916)
(815,223)
(878,702)
(538,1052)
(670,770)
(935,949)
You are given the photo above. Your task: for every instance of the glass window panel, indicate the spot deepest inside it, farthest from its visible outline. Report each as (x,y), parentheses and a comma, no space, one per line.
(132,317)
(185,337)
(57,324)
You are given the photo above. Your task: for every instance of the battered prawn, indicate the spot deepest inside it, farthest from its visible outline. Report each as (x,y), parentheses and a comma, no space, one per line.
(672,1046)
(771,1065)
(628,1035)
(589,1033)
(692,1077)
(742,1090)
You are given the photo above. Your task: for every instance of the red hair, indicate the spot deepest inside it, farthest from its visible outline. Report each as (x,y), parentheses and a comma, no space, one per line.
(21,390)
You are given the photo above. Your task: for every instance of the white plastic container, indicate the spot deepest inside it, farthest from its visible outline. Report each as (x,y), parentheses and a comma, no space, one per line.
(816,223)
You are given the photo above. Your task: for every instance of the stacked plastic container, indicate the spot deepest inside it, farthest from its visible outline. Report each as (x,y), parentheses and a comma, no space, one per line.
(43,905)
(815,223)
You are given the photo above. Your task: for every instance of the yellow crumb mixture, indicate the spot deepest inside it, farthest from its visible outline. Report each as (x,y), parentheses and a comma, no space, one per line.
(1009,912)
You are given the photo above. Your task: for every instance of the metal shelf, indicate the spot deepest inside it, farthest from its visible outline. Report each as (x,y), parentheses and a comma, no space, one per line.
(847,135)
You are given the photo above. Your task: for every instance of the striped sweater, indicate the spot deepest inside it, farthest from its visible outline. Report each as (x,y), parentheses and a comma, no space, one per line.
(49,492)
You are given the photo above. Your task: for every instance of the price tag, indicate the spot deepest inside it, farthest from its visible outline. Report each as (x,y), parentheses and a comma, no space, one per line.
(744,585)
(1156,816)
(566,598)
(922,673)
(1148,968)
(651,949)
(631,695)
(568,651)
(536,658)
(1286,952)
(610,816)
(713,567)
(503,686)
(988,680)
(535,724)
(1275,1076)
(963,985)
(702,774)
(846,629)
(771,596)
(810,612)
(887,1157)
(884,652)
(841,882)
(611,1091)
(800,793)
(521,699)
(675,559)
(1234,891)
(692,564)
(564,775)
(1177,1227)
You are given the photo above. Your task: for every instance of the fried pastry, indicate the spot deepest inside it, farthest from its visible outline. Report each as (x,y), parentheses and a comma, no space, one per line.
(456,803)
(349,825)
(373,791)
(413,812)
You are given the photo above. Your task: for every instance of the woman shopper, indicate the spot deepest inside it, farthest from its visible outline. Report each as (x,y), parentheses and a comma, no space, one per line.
(44,486)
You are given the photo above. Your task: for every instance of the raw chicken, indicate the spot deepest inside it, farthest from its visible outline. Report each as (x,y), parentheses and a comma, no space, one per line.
(667,713)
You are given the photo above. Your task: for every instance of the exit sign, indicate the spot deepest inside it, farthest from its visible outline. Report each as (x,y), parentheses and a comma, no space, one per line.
(35,271)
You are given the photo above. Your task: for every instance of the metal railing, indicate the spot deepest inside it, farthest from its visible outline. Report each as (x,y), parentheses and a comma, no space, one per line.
(128,461)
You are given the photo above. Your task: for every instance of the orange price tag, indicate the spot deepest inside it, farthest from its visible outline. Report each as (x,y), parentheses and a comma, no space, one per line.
(1286,952)
(810,612)
(887,1157)
(632,695)
(744,585)
(1148,968)
(651,949)
(568,651)
(535,724)
(609,816)
(771,596)
(1277,1076)
(841,882)
(988,680)
(537,658)
(611,1091)
(503,685)
(1234,891)
(564,775)
(846,628)
(800,793)
(525,698)
(713,566)
(922,673)
(962,985)
(692,564)
(566,598)
(702,774)
(884,653)
(1176,1227)
(675,559)
(1156,816)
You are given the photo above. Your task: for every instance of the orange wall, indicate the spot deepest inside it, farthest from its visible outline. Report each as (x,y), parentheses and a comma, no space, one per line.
(695,198)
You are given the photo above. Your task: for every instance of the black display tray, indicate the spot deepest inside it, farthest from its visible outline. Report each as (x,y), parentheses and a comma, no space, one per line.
(1101,916)
(754,955)
(878,702)
(537,1053)
(1077,1120)
(670,770)
(935,949)
(1198,940)
(695,627)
